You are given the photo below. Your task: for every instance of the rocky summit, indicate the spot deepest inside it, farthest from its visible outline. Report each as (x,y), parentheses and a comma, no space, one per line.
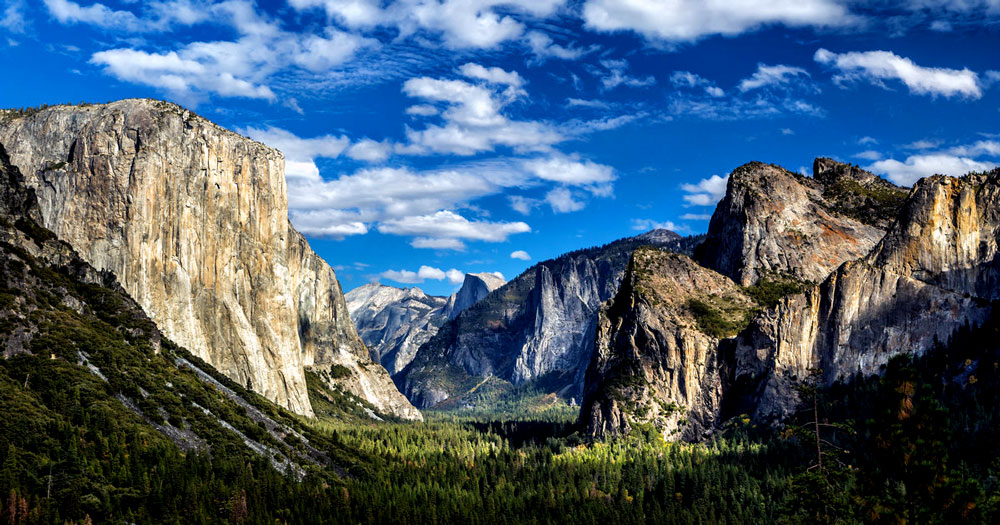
(193,221)
(775,223)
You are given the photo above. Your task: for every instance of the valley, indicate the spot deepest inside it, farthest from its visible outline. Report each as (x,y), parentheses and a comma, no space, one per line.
(174,350)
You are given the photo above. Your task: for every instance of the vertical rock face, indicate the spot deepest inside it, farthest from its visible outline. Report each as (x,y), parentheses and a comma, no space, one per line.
(935,270)
(192,219)
(537,328)
(475,287)
(394,322)
(775,222)
(656,358)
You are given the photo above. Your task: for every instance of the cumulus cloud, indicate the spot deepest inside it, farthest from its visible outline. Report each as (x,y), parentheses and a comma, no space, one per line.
(767,76)
(370,150)
(473,121)
(424,273)
(237,68)
(879,66)
(493,75)
(446,224)
(915,167)
(570,170)
(705,192)
(520,255)
(690,20)
(562,200)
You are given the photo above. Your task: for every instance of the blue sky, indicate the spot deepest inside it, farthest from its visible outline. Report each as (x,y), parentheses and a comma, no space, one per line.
(427,138)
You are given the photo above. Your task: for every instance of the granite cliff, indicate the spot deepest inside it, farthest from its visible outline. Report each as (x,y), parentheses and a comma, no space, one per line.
(656,359)
(394,322)
(773,222)
(933,271)
(192,219)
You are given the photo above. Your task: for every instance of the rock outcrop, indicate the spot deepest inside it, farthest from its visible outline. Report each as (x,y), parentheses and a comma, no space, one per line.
(656,359)
(536,329)
(773,222)
(193,221)
(395,322)
(934,271)
(475,287)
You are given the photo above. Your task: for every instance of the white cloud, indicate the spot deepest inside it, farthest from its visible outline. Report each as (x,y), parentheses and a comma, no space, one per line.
(766,76)
(647,225)
(614,75)
(422,110)
(990,148)
(595,104)
(869,155)
(334,224)
(438,244)
(449,225)
(689,20)
(181,74)
(696,216)
(493,75)
(458,23)
(687,79)
(923,144)
(705,192)
(867,140)
(298,149)
(521,255)
(423,274)
(320,54)
(787,131)
(918,166)
(237,68)
(879,66)
(473,121)
(562,200)
(369,150)
(544,48)
(763,105)
(572,171)
(523,205)
(13,19)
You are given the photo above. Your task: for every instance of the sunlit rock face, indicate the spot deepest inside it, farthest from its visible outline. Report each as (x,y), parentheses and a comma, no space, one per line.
(193,220)
(773,222)
(654,363)
(935,270)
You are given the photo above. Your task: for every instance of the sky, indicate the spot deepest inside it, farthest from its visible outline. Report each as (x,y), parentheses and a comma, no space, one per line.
(428,138)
